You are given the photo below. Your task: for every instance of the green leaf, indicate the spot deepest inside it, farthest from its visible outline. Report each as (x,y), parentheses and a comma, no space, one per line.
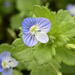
(68,70)
(46,69)
(43,53)
(66,24)
(63,25)
(71,44)
(20,51)
(16,21)
(26,5)
(43,12)
(36,58)
(65,55)
(5,47)
(16,72)
(18,45)
(72,41)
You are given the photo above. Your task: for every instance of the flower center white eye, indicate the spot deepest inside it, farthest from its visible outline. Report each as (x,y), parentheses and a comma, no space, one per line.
(34,29)
(5,64)
(9,62)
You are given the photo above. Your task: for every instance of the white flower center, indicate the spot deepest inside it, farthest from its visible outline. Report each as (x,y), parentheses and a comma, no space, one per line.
(34,29)
(9,62)
(39,34)
(5,64)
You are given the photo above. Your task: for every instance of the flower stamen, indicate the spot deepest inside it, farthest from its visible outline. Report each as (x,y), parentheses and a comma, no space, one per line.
(5,65)
(34,29)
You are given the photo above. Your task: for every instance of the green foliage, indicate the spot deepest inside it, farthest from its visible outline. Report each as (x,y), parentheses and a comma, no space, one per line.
(66,55)
(45,59)
(35,58)
(16,21)
(46,69)
(26,5)
(43,12)
(68,70)
(62,4)
(63,25)
(15,72)
(61,33)
(5,47)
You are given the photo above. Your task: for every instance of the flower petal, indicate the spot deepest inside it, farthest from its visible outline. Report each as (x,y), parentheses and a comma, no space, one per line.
(42,37)
(7,72)
(29,40)
(69,6)
(44,24)
(27,23)
(1,69)
(4,54)
(12,62)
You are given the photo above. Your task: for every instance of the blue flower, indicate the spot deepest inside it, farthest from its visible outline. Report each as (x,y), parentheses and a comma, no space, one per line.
(7,63)
(7,4)
(35,30)
(71,9)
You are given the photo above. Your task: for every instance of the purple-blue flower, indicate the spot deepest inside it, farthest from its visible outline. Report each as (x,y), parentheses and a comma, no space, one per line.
(7,4)
(7,63)
(71,9)
(35,30)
